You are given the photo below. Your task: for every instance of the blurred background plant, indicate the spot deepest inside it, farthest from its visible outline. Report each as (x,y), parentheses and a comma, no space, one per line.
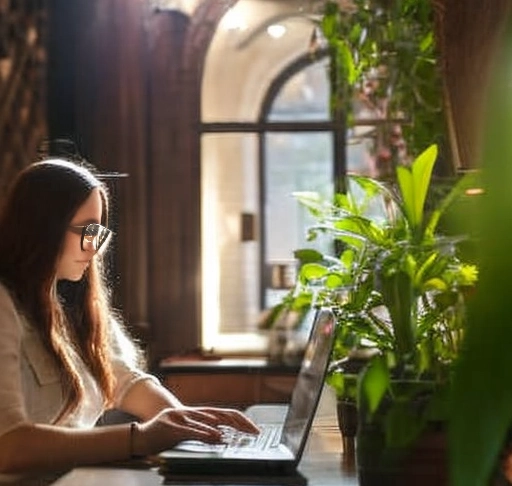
(481,402)
(383,61)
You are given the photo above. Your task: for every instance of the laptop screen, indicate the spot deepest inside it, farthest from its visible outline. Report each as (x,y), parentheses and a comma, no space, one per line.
(310,381)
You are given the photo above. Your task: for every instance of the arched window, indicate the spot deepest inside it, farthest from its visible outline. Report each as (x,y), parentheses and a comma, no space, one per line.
(266,133)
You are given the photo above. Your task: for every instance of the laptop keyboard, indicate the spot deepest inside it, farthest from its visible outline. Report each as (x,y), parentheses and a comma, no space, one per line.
(268,437)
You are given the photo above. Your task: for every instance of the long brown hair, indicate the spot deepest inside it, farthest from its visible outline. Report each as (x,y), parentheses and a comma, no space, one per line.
(34,218)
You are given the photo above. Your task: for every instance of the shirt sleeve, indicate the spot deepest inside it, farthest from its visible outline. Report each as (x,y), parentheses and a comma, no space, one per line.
(125,363)
(12,406)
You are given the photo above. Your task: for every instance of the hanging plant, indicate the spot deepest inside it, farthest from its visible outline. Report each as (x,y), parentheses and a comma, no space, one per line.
(383,55)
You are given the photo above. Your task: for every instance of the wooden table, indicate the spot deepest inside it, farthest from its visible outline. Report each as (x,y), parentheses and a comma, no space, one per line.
(324,462)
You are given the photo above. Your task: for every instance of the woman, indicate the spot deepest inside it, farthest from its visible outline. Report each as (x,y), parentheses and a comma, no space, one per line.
(64,358)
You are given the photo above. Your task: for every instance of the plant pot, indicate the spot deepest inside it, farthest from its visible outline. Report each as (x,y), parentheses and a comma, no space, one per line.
(346,411)
(346,407)
(423,463)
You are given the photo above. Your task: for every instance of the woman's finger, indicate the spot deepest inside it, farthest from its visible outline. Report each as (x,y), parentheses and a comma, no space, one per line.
(183,426)
(232,418)
(175,425)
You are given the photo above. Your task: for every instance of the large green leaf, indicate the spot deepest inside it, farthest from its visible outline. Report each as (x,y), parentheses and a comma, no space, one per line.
(481,408)
(414,183)
(397,293)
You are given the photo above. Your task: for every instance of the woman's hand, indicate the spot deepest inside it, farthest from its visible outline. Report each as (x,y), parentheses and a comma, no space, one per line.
(173,425)
(227,417)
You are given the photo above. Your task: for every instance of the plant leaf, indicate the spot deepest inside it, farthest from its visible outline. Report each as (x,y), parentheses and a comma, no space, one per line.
(397,294)
(481,402)
(313,271)
(308,255)
(435,284)
(373,383)
(360,228)
(414,183)
(335,280)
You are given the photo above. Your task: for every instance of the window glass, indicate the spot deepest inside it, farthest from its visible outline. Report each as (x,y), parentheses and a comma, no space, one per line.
(230,265)
(297,161)
(305,96)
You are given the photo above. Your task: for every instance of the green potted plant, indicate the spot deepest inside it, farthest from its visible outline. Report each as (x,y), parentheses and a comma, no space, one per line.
(398,287)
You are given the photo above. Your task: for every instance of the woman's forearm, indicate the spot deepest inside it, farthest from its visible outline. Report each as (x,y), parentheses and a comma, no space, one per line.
(145,399)
(33,448)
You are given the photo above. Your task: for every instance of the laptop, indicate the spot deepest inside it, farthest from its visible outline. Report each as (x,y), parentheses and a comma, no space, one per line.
(278,450)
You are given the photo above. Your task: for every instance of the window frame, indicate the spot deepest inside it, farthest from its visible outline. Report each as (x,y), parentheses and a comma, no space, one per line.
(335,127)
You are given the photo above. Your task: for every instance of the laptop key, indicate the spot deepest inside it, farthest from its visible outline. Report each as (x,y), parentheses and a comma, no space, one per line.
(269,437)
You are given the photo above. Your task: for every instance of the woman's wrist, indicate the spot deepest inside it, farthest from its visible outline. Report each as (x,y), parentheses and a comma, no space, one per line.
(136,444)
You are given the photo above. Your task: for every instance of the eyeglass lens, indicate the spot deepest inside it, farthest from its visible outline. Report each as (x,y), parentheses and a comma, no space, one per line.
(94,236)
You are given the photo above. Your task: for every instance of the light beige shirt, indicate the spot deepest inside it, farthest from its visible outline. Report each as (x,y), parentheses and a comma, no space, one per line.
(31,390)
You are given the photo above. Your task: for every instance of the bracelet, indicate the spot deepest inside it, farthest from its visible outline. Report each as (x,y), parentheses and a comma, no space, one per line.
(134,427)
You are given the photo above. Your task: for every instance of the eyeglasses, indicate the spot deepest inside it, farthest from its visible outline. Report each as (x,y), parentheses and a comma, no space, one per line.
(94,236)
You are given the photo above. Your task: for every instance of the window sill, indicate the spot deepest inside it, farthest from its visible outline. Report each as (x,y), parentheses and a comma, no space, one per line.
(242,344)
